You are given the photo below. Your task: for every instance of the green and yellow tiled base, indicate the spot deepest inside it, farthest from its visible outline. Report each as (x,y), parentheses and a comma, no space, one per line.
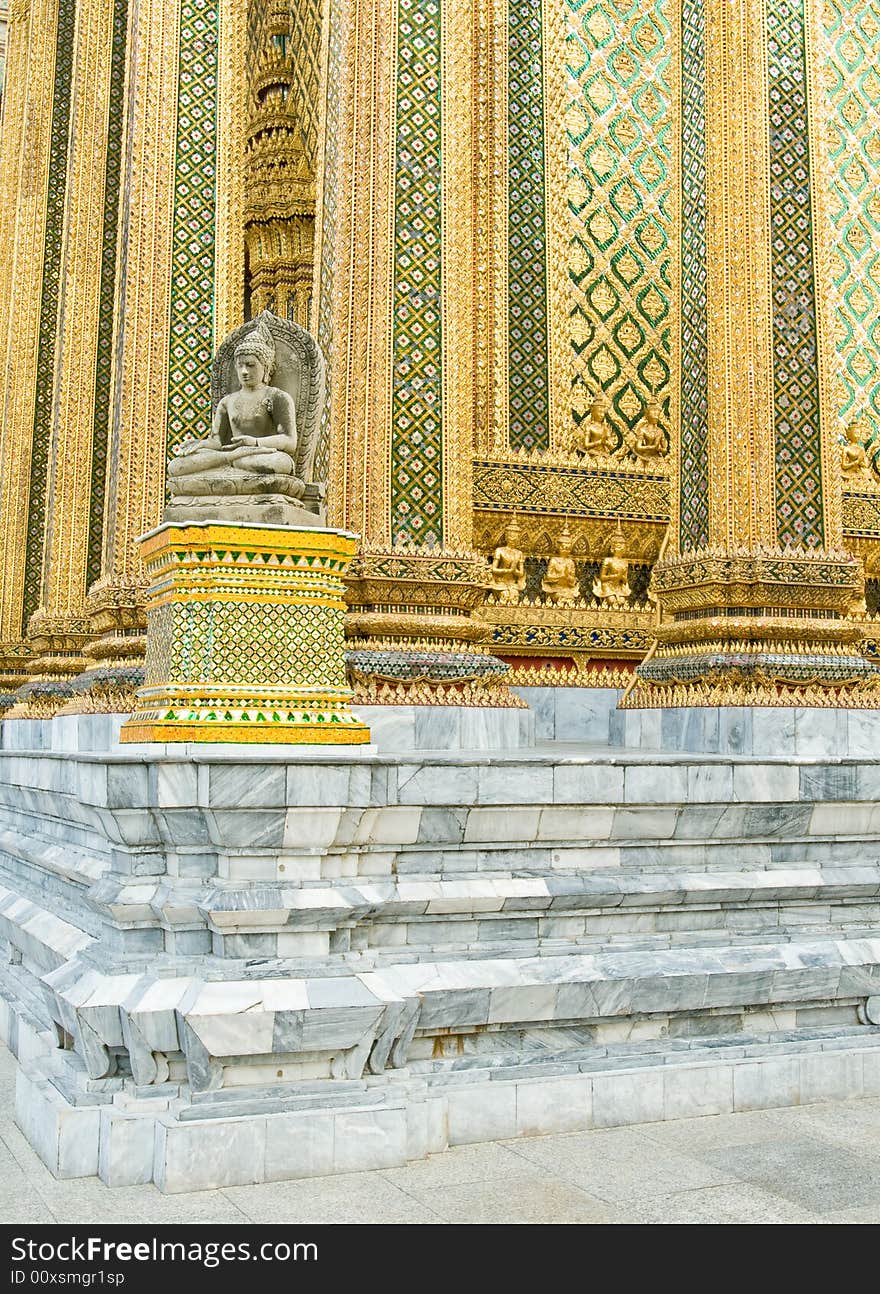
(245,636)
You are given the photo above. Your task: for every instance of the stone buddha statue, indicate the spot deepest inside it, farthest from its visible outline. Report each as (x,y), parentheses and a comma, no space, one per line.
(560,583)
(256,464)
(508,573)
(649,439)
(612,586)
(594,437)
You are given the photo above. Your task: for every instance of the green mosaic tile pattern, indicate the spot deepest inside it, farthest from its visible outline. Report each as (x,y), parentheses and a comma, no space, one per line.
(797,412)
(852,99)
(254,644)
(416,444)
(694,394)
(618,125)
(192,274)
(45,370)
(104,357)
(528,382)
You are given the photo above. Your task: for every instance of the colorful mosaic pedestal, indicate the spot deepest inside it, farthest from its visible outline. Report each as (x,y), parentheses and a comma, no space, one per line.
(245,636)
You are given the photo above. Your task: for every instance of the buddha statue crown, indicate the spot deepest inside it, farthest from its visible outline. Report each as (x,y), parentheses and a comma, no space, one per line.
(259,342)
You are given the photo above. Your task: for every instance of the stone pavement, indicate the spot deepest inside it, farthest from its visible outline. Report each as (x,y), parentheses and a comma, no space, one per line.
(818,1163)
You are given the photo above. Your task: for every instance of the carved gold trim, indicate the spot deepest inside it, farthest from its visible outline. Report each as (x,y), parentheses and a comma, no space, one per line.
(458,249)
(136,453)
(742,475)
(25,143)
(231,114)
(820,167)
(69,493)
(360,415)
(557,223)
(672,462)
(320,169)
(858,696)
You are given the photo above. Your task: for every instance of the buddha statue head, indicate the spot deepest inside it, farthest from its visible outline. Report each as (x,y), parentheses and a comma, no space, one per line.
(255,358)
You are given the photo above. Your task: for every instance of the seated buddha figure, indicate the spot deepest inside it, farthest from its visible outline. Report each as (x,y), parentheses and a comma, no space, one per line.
(560,583)
(853,458)
(649,439)
(612,586)
(253,433)
(507,573)
(594,437)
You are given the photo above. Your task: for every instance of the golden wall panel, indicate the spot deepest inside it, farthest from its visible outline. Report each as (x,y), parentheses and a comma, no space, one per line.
(26,142)
(69,494)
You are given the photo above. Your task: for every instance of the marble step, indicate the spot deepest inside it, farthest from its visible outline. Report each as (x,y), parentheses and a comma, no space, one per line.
(338,1026)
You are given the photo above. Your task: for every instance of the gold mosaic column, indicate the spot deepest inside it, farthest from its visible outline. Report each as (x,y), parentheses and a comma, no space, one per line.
(756,584)
(24,179)
(59,629)
(135,492)
(403,383)
(246,637)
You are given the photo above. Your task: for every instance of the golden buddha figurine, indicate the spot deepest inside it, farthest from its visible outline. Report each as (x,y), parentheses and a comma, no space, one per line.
(649,438)
(254,431)
(594,437)
(560,583)
(508,571)
(612,587)
(853,458)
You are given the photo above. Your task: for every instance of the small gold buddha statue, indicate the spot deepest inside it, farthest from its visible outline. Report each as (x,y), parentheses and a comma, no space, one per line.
(612,587)
(594,437)
(508,571)
(649,438)
(560,583)
(853,457)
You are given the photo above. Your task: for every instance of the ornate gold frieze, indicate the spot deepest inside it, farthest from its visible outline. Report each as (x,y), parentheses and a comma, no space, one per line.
(408,593)
(576,670)
(544,483)
(756,578)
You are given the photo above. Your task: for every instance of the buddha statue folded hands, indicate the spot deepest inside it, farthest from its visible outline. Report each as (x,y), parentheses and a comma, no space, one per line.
(507,574)
(612,588)
(560,584)
(252,466)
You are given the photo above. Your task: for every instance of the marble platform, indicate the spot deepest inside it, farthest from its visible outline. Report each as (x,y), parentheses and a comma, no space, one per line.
(228,966)
(590,715)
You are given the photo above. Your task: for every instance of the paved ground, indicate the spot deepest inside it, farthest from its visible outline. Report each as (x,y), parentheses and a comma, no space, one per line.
(818,1163)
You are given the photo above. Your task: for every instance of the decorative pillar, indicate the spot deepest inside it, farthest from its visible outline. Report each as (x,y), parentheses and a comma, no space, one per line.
(245,639)
(403,387)
(755,585)
(33,156)
(58,630)
(180,276)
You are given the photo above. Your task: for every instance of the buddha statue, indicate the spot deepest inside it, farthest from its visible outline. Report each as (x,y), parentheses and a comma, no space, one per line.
(254,429)
(649,438)
(560,583)
(254,465)
(853,457)
(594,437)
(612,586)
(508,573)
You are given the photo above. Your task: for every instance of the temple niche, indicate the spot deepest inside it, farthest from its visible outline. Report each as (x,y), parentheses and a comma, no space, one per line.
(281,156)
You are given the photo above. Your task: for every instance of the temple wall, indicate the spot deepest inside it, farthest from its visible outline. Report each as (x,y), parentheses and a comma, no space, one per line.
(504,216)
